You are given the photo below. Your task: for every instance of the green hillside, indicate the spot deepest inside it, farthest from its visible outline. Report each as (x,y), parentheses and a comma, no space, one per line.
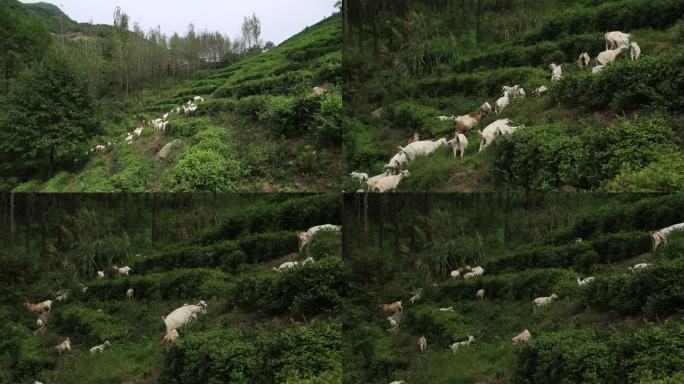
(261,127)
(619,130)
(622,327)
(261,326)
(50,14)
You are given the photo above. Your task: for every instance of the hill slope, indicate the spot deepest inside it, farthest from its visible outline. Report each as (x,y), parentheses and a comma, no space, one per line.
(261,127)
(261,326)
(575,135)
(622,327)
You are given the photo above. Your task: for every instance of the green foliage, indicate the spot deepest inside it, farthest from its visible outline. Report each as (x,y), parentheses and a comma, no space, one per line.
(552,156)
(294,213)
(132,172)
(24,357)
(303,290)
(215,107)
(326,125)
(622,15)
(589,356)
(654,81)
(251,106)
(411,117)
(482,83)
(656,290)
(88,326)
(225,356)
(288,116)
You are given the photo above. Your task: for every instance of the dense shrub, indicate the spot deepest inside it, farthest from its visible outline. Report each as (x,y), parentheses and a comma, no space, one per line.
(289,116)
(180,284)
(611,16)
(88,326)
(303,290)
(508,286)
(23,355)
(223,356)
(581,356)
(581,256)
(203,170)
(131,173)
(187,128)
(226,255)
(638,213)
(442,327)
(326,126)
(552,156)
(285,84)
(214,107)
(657,290)
(295,213)
(653,82)
(251,106)
(413,117)
(329,69)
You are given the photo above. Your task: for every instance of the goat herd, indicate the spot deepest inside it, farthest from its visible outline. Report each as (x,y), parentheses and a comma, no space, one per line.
(161,124)
(395,309)
(396,170)
(179,317)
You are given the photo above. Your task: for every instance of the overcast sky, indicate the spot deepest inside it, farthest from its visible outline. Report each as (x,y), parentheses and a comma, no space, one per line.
(280,19)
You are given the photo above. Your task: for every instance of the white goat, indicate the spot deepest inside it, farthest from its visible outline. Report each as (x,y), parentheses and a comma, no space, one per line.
(417,294)
(286,265)
(100,274)
(390,183)
(183,315)
(541,90)
(639,267)
(634,51)
(362,177)
(397,163)
(459,144)
(129,293)
(609,56)
(502,103)
(64,346)
(616,38)
(455,274)
(445,118)
(491,132)
(583,282)
(123,270)
(374,180)
(556,72)
(198,99)
(446,309)
(522,338)
(422,148)
(480,294)
(459,344)
(138,131)
(660,236)
(100,348)
(542,301)
(171,336)
(422,343)
(597,69)
(309,234)
(583,60)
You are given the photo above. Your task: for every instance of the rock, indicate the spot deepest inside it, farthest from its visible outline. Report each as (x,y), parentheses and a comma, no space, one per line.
(165,152)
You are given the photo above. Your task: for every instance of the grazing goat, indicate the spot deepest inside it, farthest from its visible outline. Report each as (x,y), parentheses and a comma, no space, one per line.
(375,179)
(542,301)
(417,294)
(415,138)
(422,148)
(660,236)
(392,308)
(459,144)
(422,343)
(362,177)
(616,38)
(584,282)
(583,60)
(390,183)
(446,309)
(286,265)
(597,69)
(398,382)
(100,274)
(171,336)
(609,56)
(522,338)
(319,91)
(129,293)
(541,90)
(129,139)
(502,103)
(183,315)
(639,267)
(39,307)
(138,131)
(459,344)
(455,274)
(123,270)
(464,124)
(396,164)
(480,294)
(64,346)
(100,348)
(634,51)
(308,235)
(445,118)
(556,71)
(198,99)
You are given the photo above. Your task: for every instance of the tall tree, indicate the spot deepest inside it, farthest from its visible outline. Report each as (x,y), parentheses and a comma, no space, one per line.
(48,115)
(251,33)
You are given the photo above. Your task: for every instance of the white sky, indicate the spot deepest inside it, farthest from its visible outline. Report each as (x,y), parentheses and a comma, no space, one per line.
(280,19)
